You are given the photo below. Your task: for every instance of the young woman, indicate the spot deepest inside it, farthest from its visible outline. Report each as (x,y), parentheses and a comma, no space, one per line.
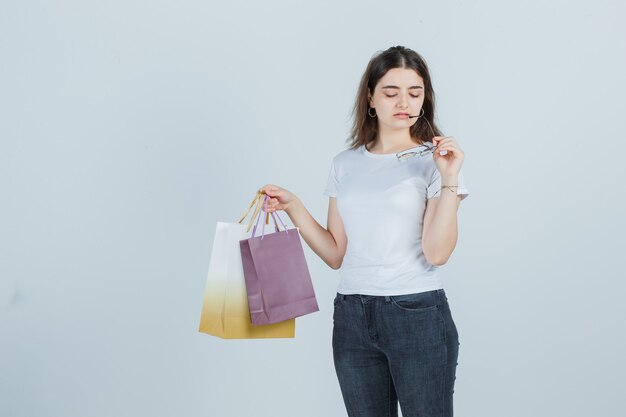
(392,222)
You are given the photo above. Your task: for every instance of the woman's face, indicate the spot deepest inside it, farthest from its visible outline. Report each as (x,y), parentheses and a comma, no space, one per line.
(398,94)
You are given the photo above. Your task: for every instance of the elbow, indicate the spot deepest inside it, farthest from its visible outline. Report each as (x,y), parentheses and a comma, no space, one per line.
(336,264)
(435,260)
(438,262)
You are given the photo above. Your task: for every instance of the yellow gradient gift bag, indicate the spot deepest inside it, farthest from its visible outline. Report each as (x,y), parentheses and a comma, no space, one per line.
(225,310)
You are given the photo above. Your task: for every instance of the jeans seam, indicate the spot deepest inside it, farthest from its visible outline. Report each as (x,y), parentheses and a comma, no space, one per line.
(389,393)
(445,344)
(443,319)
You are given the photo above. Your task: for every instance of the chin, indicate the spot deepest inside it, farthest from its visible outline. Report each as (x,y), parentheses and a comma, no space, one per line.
(401,124)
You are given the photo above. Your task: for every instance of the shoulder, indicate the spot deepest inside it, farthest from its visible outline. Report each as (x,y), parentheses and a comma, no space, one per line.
(346,156)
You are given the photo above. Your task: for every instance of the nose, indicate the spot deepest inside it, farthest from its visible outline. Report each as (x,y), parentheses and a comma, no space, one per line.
(402,103)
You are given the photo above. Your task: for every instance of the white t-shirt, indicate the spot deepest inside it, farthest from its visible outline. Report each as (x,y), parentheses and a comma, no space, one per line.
(381,201)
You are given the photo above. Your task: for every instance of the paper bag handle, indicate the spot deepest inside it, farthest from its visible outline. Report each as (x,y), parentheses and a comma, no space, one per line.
(257,199)
(273,217)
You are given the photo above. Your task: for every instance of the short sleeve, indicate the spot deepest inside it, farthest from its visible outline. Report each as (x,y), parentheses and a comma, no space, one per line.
(434,187)
(332,185)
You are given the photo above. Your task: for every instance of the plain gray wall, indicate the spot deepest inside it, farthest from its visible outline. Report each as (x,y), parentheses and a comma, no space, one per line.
(129,128)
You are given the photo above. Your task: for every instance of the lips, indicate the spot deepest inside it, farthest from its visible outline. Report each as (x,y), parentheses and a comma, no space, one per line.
(401,114)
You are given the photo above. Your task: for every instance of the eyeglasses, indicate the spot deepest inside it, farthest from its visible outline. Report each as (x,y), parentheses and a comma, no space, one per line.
(425,149)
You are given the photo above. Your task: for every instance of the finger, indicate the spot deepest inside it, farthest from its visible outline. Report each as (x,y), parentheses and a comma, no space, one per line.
(440,149)
(445,145)
(440,140)
(451,149)
(268,189)
(447,142)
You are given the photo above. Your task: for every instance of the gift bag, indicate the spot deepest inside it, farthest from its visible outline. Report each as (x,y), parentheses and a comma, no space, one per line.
(225,311)
(277,277)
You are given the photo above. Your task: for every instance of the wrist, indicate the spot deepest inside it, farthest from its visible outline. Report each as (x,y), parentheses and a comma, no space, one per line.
(293,207)
(450,179)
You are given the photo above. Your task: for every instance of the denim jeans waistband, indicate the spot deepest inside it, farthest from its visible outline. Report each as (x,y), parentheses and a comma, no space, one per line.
(366,298)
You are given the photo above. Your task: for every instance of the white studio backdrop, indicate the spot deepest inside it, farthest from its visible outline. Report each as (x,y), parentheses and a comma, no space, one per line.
(130,128)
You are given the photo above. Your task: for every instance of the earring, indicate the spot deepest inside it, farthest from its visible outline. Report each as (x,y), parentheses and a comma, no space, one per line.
(369,114)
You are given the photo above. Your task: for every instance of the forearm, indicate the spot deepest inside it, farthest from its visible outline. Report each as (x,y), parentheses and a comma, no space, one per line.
(443,231)
(320,240)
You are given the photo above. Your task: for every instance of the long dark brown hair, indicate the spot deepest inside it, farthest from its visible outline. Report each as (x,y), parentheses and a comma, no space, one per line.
(365,128)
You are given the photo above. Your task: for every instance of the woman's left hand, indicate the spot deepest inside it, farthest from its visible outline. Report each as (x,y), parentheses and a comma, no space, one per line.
(450,164)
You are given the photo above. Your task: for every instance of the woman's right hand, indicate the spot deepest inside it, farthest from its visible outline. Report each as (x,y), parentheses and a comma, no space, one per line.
(278,198)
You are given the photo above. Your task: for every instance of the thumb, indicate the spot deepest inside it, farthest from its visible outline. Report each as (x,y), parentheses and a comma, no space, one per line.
(269,190)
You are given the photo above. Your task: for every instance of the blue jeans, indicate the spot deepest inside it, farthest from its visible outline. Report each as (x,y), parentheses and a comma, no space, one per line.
(395,348)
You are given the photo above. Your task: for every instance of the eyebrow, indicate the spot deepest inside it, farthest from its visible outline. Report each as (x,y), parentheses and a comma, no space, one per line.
(397,88)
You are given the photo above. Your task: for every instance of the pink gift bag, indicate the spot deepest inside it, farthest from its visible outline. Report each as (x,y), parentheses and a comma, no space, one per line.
(277,277)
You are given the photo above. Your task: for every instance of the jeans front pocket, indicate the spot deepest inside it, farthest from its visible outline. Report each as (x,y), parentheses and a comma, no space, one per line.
(416,323)
(418,302)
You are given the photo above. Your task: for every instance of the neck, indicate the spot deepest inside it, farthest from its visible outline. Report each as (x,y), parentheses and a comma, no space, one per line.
(389,141)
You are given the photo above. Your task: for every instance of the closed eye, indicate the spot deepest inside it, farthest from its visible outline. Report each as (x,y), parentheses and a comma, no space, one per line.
(396,95)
